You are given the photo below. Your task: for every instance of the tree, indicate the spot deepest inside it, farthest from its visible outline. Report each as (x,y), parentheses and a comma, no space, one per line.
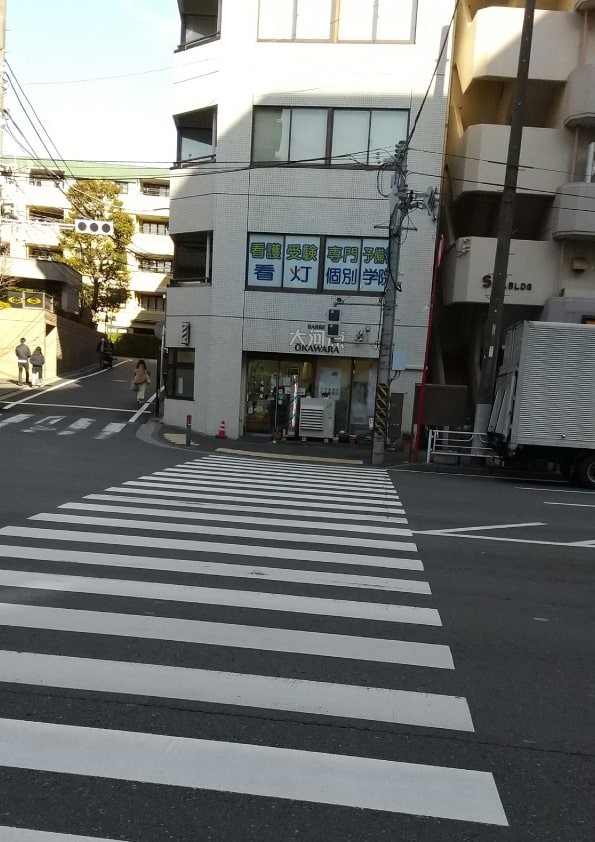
(100,258)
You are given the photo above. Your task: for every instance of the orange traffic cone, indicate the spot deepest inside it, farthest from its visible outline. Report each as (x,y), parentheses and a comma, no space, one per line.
(221,433)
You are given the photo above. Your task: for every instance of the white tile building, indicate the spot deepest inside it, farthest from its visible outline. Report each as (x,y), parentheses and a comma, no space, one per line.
(551,268)
(285,109)
(34,205)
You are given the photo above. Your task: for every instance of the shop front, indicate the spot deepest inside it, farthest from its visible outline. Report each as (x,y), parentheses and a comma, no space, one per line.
(275,386)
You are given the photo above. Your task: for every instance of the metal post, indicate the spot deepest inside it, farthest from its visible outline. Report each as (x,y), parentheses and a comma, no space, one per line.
(188,430)
(493,329)
(398,214)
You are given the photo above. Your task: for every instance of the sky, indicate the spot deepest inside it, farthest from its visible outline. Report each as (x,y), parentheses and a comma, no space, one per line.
(97,73)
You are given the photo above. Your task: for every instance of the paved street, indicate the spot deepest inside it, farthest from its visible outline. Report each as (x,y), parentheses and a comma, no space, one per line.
(218,647)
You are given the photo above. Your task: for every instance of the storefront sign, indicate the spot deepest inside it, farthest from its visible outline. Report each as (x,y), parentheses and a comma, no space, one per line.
(315,341)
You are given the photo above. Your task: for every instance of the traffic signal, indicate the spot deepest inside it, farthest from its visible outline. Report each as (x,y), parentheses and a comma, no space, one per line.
(333,323)
(185,338)
(94,226)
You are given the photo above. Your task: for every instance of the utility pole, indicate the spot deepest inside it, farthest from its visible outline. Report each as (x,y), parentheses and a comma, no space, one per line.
(397,217)
(493,328)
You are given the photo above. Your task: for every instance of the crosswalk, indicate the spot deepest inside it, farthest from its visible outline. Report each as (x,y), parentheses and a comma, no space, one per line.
(62,425)
(240,588)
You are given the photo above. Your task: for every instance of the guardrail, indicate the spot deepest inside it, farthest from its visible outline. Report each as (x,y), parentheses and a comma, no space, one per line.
(458,444)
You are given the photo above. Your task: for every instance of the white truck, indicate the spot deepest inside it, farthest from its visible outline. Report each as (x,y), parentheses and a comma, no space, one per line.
(544,406)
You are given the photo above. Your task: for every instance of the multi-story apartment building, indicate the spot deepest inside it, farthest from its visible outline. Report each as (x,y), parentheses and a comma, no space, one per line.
(34,206)
(551,269)
(287,112)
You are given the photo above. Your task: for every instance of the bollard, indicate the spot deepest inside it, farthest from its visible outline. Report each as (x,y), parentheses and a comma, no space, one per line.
(188,430)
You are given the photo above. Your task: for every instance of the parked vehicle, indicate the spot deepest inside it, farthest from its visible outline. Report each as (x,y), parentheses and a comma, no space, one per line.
(544,407)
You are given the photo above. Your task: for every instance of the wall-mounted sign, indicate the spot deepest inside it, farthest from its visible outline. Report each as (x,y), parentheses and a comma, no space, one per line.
(314,340)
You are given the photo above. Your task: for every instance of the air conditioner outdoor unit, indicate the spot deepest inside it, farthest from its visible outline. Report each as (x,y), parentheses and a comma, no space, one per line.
(317,418)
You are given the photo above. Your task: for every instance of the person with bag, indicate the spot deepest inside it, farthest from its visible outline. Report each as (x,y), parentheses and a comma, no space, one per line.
(37,362)
(141,380)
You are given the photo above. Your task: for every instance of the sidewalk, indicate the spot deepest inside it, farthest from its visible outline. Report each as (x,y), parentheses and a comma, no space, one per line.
(155,432)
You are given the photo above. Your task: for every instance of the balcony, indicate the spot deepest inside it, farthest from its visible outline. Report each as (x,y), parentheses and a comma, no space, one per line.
(478,160)
(574,212)
(489,45)
(579,97)
(532,272)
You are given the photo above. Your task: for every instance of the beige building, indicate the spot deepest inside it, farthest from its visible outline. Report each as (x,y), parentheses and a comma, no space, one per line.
(34,206)
(551,270)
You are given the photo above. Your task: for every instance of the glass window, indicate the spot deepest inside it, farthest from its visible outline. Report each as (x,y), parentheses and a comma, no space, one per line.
(313,20)
(308,135)
(395,21)
(192,257)
(387,128)
(196,134)
(271,134)
(356,20)
(301,262)
(275,20)
(351,130)
(179,377)
(199,21)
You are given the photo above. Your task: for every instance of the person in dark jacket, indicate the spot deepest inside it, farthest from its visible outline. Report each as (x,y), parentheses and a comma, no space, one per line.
(37,362)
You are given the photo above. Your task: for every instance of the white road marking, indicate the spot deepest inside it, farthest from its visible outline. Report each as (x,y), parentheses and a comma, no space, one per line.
(77,426)
(161,591)
(563,490)
(232,532)
(373,704)
(305,485)
(460,529)
(183,514)
(372,473)
(363,783)
(328,514)
(15,419)
(575,505)
(21,834)
(246,550)
(323,502)
(111,430)
(509,540)
(316,475)
(211,568)
(60,385)
(374,649)
(47,424)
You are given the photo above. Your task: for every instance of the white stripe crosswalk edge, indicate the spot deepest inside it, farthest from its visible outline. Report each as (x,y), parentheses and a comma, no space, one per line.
(21,834)
(314,777)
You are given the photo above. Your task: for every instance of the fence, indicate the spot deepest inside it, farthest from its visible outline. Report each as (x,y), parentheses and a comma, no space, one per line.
(456,444)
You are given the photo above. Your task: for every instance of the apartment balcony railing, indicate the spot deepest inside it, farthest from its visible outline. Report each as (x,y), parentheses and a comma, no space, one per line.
(27,300)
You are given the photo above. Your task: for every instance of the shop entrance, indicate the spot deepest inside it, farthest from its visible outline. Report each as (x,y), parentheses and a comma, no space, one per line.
(270,382)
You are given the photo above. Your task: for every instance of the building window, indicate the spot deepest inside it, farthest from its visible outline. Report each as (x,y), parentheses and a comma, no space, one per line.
(200,21)
(122,186)
(46,215)
(180,373)
(154,188)
(197,133)
(44,253)
(151,226)
(192,257)
(344,137)
(303,263)
(154,264)
(44,178)
(151,302)
(337,20)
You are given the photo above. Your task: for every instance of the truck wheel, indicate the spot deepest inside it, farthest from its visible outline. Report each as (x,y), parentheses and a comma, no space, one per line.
(585,472)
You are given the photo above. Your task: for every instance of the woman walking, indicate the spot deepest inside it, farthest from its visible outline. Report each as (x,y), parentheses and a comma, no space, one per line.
(37,361)
(141,380)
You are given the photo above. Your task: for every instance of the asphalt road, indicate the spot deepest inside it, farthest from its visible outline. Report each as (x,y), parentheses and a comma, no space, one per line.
(225,648)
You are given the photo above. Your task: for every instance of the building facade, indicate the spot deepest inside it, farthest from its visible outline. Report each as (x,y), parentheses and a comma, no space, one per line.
(34,205)
(288,113)
(551,269)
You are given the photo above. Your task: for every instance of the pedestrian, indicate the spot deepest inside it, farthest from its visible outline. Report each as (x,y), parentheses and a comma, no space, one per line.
(105,352)
(37,363)
(141,380)
(23,353)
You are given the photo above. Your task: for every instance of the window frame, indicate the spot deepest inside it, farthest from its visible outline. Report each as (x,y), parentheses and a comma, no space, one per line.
(319,288)
(150,223)
(186,44)
(328,141)
(160,264)
(174,365)
(186,239)
(55,253)
(187,117)
(151,187)
(37,213)
(334,23)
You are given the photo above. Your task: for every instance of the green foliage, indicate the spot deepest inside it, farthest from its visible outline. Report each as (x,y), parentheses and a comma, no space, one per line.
(102,259)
